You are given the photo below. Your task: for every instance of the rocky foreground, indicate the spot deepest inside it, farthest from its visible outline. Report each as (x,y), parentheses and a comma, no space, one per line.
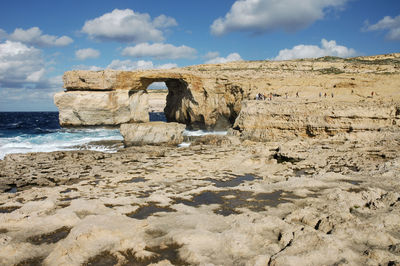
(308,177)
(222,201)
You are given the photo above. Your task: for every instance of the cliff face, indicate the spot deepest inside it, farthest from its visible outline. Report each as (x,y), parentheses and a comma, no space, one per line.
(101,108)
(287,119)
(211,95)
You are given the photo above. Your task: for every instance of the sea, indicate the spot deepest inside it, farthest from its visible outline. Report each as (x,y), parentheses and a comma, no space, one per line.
(24,132)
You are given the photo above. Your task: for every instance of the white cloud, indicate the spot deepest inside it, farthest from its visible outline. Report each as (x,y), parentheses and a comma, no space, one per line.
(34,36)
(36,76)
(230,58)
(167,66)
(3,34)
(160,51)
(23,84)
(163,21)
(85,67)
(20,64)
(128,65)
(388,23)
(127,26)
(328,48)
(211,55)
(28,99)
(259,16)
(83,54)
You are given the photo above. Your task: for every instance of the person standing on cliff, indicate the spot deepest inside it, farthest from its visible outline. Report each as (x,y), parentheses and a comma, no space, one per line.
(297,94)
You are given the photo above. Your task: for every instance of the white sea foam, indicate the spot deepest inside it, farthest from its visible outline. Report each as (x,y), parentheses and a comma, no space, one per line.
(59,140)
(74,140)
(184,145)
(199,133)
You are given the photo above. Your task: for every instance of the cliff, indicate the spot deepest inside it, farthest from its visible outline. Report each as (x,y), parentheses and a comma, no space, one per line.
(289,118)
(211,96)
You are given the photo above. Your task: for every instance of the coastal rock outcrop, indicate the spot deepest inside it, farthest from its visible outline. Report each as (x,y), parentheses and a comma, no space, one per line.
(210,96)
(286,119)
(101,108)
(120,97)
(153,133)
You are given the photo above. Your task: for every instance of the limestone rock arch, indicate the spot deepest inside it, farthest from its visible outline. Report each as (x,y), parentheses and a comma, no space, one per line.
(110,98)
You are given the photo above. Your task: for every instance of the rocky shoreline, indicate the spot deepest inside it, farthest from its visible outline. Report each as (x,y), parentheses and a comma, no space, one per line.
(308,177)
(222,201)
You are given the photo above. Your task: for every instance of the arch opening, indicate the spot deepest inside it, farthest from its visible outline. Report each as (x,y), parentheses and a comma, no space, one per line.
(157,101)
(177,100)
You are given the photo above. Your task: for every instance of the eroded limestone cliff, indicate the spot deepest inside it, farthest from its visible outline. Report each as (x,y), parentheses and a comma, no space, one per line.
(289,118)
(211,96)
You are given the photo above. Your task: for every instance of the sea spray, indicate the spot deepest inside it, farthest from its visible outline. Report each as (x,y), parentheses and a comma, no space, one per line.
(40,132)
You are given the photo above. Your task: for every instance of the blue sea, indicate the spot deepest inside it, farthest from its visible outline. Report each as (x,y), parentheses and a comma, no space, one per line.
(23,132)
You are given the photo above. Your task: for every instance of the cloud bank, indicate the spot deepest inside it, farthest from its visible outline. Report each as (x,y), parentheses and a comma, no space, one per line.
(328,48)
(137,65)
(22,75)
(127,65)
(20,64)
(390,24)
(160,51)
(83,54)
(259,16)
(218,60)
(34,36)
(127,26)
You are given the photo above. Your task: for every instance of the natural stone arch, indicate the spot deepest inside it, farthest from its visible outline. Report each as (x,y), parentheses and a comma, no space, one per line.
(179,96)
(112,97)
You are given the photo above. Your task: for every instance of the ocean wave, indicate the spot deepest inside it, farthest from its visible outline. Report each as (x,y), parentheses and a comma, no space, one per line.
(63,139)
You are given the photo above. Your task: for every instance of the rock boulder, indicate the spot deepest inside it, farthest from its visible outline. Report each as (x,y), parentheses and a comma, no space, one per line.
(152,133)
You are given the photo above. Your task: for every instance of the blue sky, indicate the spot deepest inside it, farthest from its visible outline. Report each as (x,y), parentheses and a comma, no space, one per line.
(40,40)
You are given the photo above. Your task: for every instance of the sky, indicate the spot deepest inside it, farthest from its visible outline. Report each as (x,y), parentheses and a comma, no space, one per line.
(41,39)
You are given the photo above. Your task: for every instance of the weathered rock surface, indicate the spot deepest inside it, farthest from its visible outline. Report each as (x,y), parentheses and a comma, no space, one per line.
(101,108)
(289,118)
(153,133)
(307,201)
(210,95)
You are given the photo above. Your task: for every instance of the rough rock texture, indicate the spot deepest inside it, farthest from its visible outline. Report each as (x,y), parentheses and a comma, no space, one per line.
(101,108)
(288,118)
(153,133)
(307,201)
(211,95)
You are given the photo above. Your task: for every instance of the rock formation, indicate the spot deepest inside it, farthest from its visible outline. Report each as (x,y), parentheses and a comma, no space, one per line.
(286,119)
(101,108)
(315,195)
(210,96)
(153,133)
